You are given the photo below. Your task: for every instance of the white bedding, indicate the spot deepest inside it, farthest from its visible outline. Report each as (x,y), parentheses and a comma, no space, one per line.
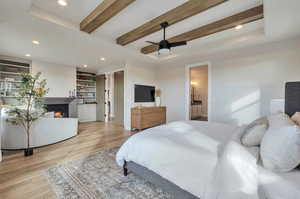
(185,153)
(207,160)
(280,185)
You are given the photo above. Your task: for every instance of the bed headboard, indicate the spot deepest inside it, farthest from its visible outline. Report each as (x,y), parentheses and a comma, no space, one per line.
(292,98)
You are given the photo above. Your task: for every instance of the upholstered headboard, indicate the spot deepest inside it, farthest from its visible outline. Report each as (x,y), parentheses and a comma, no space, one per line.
(292,98)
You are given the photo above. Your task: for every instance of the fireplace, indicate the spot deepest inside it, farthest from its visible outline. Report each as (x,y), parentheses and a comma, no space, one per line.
(60,110)
(65,107)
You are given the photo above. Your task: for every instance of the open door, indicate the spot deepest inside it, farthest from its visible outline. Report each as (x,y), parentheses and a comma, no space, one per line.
(100,97)
(119,97)
(199,93)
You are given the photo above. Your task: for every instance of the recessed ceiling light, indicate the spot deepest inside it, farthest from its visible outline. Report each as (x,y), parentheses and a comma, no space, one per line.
(238,27)
(36,42)
(85,66)
(62,2)
(102,58)
(27,55)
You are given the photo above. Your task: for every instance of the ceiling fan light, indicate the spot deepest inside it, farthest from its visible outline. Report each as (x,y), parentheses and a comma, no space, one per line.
(164,51)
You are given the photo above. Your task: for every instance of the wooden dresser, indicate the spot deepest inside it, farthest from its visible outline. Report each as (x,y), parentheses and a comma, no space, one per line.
(146,117)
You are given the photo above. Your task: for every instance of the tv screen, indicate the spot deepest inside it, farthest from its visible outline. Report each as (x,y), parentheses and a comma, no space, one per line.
(144,93)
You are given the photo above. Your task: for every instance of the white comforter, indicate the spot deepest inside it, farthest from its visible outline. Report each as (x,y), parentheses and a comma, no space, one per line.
(207,160)
(185,153)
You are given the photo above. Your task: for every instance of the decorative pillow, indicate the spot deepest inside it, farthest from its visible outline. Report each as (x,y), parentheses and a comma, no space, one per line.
(254,132)
(296,118)
(280,148)
(254,135)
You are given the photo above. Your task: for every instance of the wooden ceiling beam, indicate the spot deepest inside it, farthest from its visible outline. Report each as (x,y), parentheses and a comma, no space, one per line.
(105,11)
(184,11)
(247,16)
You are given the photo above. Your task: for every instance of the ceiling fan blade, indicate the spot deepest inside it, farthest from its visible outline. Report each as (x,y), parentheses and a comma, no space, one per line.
(180,43)
(154,43)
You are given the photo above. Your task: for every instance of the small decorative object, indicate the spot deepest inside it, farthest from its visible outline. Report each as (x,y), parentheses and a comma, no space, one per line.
(30,98)
(157,97)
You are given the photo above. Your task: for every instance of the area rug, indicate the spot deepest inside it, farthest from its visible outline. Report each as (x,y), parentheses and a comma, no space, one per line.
(99,177)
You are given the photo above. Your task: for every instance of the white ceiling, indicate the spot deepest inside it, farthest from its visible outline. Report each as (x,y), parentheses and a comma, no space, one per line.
(57,29)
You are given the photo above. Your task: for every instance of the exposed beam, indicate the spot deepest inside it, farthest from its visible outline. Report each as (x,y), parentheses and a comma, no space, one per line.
(218,26)
(105,11)
(184,11)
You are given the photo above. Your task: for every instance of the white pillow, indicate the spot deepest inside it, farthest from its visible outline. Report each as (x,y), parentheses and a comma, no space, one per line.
(254,132)
(280,148)
(254,135)
(49,115)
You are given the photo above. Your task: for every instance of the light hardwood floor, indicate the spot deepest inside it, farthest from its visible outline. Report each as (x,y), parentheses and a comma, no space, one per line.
(22,177)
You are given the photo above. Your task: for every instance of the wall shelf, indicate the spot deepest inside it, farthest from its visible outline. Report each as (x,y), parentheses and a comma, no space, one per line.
(10,77)
(86,87)
(10,73)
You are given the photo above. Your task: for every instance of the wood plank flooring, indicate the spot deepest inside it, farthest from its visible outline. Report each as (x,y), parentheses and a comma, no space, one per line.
(22,177)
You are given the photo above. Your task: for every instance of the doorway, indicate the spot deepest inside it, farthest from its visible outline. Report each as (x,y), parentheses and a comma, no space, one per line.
(118,98)
(198,100)
(100,98)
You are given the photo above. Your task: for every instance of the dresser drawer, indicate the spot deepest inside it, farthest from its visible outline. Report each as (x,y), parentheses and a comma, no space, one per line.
(146,117)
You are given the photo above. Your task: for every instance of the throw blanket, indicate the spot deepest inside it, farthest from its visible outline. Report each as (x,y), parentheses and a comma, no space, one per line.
(235,174)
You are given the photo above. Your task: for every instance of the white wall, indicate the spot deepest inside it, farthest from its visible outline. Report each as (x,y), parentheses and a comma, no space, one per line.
(136,74)
(242,82)
(60,79)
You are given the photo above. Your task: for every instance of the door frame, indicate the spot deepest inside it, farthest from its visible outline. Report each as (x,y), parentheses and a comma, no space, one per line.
(188,89)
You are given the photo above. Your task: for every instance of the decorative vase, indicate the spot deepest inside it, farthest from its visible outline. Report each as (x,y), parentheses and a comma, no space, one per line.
(28,152)
(157,101)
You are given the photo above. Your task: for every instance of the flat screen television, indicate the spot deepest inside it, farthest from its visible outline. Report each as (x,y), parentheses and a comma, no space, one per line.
(144,93)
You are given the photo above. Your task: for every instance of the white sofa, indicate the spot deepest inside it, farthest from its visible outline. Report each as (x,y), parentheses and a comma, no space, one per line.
(44,131)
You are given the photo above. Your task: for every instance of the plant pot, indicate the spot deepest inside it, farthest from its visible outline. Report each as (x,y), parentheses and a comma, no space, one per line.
(28,152)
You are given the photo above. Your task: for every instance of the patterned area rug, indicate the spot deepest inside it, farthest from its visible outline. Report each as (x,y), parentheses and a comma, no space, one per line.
(99,177)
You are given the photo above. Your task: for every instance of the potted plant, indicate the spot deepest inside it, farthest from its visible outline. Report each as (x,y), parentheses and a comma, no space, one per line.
(30,105)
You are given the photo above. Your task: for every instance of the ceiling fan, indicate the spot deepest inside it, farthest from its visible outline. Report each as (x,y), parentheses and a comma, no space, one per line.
(164,46)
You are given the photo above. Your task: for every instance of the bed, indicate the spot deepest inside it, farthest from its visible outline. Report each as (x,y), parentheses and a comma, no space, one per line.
(172,142)
(203,160)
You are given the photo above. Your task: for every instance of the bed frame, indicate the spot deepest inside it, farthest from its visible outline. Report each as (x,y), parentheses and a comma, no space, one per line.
(292,105)
(292,98)
(157,180)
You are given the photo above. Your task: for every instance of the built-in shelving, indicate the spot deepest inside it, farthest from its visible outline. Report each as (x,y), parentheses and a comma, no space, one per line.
(86,87)
(10,77)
